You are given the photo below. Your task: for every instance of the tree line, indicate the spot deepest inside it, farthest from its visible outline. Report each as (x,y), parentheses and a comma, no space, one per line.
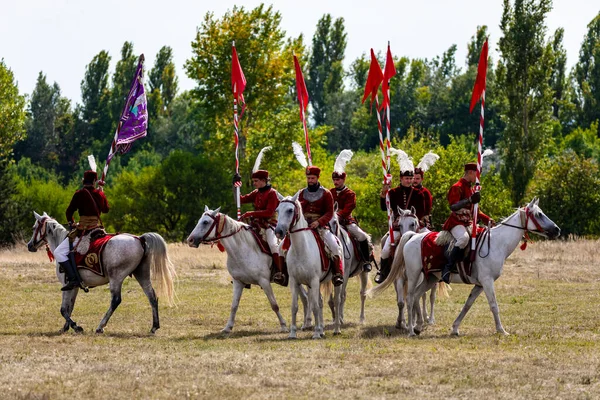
(540,118)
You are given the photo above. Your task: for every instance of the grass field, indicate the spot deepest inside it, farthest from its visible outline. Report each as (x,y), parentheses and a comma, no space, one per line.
(549,297)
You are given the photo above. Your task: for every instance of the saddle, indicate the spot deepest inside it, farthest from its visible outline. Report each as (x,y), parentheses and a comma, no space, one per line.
(325,259)
(433,248)
(357,253)
(260,241)
(88,252)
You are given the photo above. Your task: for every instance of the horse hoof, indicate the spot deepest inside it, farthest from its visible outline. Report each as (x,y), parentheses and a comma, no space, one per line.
(153,330)
(78,329)
(362,321)
(336,333)
(318,336)
(417,332)
(292,336)
(454,333)
(306,327)
(100,330)
(284,329)
(431,322)
(226,331)
(504,333)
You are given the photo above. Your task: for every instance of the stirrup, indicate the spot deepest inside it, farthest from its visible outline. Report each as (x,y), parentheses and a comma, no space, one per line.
(337,279)
(366,267)
(446,277)
(280,279)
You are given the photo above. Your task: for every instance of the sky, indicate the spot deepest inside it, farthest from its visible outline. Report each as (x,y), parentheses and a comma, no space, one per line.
(60,37)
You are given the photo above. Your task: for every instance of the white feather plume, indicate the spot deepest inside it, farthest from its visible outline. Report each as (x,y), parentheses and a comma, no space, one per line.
(259,158)
(92,162)
(404,160)
(487,152)
(427,161)
(299,153)
(342,159)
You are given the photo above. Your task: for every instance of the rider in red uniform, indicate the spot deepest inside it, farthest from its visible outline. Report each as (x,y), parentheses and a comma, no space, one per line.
(427,198)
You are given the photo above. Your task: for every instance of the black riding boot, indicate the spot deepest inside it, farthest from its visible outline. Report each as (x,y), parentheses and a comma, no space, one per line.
(452,258)
(365,252)
(73,278)
(385,265)
(338,273)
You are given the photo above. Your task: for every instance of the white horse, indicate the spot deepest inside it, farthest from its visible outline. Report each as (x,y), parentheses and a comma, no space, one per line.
(123,255)
(496,246)
(246,263)
(304,266)
(352,267)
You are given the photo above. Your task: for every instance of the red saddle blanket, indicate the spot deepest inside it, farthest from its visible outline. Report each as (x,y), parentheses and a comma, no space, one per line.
(262,243)
(325,261)
(92,260)
(433,257)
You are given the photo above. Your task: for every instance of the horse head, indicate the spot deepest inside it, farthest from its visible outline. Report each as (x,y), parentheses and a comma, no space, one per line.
(537,222)
(407,220)
(43,227)
(289,212)
(206,228)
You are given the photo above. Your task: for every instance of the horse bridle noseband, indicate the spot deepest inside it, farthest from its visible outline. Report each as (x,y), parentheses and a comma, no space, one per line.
(218,227)
(528,216)
(295,219)
(41,228)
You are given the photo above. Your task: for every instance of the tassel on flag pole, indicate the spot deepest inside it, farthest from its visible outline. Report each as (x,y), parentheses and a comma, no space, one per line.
(133,123)
(303,102)
(388,73)
(374,79)
(479,93)
(238,84)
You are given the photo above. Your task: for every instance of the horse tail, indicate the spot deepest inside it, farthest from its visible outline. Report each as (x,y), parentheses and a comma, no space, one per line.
(162,271)
(398,268)
(326,289)
(444,290)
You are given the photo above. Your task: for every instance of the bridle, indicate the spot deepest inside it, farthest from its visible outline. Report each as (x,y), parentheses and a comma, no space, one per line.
(411,215)
(526,215)
(295,219)
(218,225)
(41,227)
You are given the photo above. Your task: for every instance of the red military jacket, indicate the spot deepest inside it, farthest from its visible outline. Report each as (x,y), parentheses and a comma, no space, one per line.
(265,203)
(89,202)
(460,191)
(346,200)
(317,206)
(405,198)
(427,197)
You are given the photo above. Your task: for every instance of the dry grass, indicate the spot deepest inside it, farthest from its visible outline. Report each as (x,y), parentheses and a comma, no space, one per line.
(548,296)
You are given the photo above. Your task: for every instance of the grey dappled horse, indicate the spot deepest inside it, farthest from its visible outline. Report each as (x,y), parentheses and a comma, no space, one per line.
(122,255)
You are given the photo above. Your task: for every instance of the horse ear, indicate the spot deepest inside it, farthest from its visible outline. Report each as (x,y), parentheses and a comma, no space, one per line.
(279,196)
(531,203)
(413,210)
(295,197)
(537,200)
(206,208)
(36,215)
(216,211)
(45,215)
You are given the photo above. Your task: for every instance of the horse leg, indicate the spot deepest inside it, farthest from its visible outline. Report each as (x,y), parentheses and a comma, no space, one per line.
(115,292)
(400,322)
(295,288)
(66,308)
(238,288)
(364,278)
(490,293)
(331,306)
(337,322)
(342,300)
(424,299)
(142,275)
(475,292)
(420,293)
(307,324)
(266,286)
(316,303)
(432,297)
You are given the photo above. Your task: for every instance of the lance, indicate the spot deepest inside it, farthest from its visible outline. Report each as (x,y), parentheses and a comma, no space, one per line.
(479,93)
(238,84)
(303,102)
(133,123)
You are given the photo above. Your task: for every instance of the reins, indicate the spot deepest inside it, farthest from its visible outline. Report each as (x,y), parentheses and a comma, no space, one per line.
(218,225)
(528,216)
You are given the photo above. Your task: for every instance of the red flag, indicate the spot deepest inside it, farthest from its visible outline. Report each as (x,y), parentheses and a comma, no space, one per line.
(300,85)
(388,73)
(479,86)
(238,80)
(373,79)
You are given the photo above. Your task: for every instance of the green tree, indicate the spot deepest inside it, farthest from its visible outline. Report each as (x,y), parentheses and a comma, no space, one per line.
(163,83)
(12,112)
(558,79)
(524,74)
(326,73)
(121,83)
(95,97)
(587,76)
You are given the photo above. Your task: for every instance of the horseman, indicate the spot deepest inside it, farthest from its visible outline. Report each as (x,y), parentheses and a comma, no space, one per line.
(427,161)
(346,201)
(405,197)
(461,198)
(90,203)
(262,219)
(317,207)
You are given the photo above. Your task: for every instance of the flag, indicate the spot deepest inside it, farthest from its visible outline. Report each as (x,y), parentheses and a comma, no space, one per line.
(238,80)
(300,86)
(479,86)
(134,118)
(373,79)
(388,73)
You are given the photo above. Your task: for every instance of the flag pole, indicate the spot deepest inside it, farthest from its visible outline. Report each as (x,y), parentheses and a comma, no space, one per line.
(237,75)
(303,116)
(387,121)
(302,93)
(387,177)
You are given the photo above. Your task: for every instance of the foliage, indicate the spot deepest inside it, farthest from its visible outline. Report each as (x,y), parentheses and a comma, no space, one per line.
(569,190)
(95,96)
(163,84)
(12,113)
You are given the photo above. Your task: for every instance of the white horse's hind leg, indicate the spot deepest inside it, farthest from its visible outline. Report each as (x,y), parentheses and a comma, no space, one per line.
(432,297)
(238,288)
(364,278)
(316,302)
(331,304)
(115,292)
(307,310)
(266,286)
(490,293)
(400,322)
(295,288)
(337,322)
(475,292)
(66,309)
(424,299)
(142,275)
(342,300)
